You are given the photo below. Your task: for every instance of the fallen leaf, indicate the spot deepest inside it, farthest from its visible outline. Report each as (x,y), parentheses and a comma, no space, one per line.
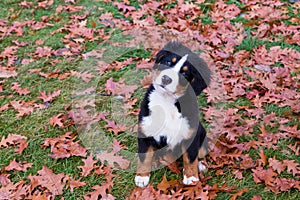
(14,165)
(12,140)
(48,97)
(166,185)
(89,165)
(16,87)
(292,166)
(54,183)
(72,183)
(64,146)
(276,165)
(239,193)
(58,120)
(7,73)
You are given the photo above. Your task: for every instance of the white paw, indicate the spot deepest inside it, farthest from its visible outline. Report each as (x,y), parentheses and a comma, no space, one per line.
(201,167)
(141,181)
(190,180)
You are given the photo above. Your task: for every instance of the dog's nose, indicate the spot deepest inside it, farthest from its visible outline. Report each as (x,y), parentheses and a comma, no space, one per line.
(166,80)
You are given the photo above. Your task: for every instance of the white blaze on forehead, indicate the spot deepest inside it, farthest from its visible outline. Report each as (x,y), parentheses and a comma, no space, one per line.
(178,65)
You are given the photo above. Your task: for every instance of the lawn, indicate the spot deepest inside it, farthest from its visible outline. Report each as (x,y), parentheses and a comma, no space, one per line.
(73,73)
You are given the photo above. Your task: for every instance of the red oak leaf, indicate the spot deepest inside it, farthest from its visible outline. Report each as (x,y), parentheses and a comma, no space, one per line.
(75,184)
(12,140)
(276,165)
(263,158)
(23,144)
(7,73)
(111,158)
(267,176)
(14,165)
(292,166)
(23,108)
(64,147)
(89,165)
(16,87)
(119,88)
(124,7)
(42,52)
(54,183)
(86,76)
(117,146)
(166,185)
(58,120)
(48,97)
(239,193)
(113,127)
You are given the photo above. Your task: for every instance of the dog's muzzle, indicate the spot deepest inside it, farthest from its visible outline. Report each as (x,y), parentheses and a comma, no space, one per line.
(166,80)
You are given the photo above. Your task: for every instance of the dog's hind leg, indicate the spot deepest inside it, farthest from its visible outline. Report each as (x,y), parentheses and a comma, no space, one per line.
(201,155)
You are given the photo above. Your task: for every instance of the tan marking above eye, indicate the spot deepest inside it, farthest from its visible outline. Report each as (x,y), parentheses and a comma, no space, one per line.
(185,68)
(174,59)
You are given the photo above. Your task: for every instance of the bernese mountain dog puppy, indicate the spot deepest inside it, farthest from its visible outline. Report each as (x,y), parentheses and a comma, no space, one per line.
(168,123)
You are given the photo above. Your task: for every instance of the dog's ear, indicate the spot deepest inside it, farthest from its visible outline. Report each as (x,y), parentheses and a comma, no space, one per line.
(160,55)
(198,82)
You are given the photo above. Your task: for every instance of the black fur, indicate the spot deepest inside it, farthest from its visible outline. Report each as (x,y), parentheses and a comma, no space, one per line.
(198,73)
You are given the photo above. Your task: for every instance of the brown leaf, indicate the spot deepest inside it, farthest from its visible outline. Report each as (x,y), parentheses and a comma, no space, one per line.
(267,176)
(256,198)
(166,185)
(117,146)
(43,52)
(101,191)
(124,7)
(23,144)
(54,183)
(86,76)
(48,97)
(58,120)
(7,73)
(119,88)
(12,140)
(23,108)
(115,128)
(292,166)
(239,193)
(143,193)
(72,183)
(276,165)
(14,165)
(263,158)
(112,158)
(144,64)
(16,87)
(64,147)
(89,165)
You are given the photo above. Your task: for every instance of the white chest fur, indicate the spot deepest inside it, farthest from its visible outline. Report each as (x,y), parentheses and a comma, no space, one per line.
(165,120)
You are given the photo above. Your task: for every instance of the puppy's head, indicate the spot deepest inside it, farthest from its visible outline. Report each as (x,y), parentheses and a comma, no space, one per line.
(169,80)
(194,69)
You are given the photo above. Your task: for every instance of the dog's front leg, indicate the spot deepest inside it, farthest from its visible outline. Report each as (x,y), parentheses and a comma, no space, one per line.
(144,164)
(190,168)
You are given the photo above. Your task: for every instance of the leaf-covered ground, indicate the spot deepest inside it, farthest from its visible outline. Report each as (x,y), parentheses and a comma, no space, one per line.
(72,75)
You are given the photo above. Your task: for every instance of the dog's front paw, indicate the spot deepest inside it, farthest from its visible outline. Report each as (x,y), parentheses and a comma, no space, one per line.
(201,167)
(142,181)
(189,180)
